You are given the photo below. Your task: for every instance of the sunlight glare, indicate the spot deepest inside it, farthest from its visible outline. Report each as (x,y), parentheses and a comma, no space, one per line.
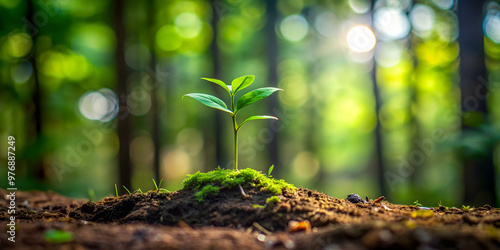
(361,39)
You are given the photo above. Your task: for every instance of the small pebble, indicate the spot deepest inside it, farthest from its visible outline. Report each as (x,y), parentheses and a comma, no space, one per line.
(354,198)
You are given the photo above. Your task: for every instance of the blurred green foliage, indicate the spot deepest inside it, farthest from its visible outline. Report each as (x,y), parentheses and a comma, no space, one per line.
(327,113)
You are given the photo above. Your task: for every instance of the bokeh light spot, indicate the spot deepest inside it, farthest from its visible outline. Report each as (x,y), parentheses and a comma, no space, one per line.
(447,27)
(294,28)
(361,39)
(325,24)
(422,17)
(137,56)
(491,26)
(305,165)
(297,91)
(99,105)
(188,25)
(9,4)
(444,4)
(19,44)
(139,101)
(168,39)
(52,64)
(175,164)
(391,24)
(388,54)
(75,67)
(360,6)
(95,41)
(22,72)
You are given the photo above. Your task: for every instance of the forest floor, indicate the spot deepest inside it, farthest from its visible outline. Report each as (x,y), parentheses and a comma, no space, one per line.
(304,219)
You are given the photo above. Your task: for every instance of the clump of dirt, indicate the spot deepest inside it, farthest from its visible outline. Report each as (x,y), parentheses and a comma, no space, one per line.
(38,205)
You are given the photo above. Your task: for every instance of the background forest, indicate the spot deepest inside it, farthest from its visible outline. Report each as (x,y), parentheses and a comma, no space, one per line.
(394,98)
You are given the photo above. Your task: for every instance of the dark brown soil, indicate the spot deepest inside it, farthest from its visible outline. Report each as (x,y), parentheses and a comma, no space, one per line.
(229,221)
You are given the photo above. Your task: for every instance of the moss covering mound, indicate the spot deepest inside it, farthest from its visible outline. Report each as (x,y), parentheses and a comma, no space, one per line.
(230,178)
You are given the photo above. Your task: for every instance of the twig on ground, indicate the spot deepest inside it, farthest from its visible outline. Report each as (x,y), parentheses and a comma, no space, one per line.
(379,199)
(261,228)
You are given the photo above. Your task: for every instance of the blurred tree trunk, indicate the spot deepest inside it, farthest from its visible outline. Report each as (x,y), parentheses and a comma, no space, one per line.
(380,168)
(272,61)
(124,128)
(156,133)
(415,128)
(478,172)
(38,168)
(220,156)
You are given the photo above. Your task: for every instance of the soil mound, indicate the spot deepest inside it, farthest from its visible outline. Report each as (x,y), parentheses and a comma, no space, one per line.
(231,209)
(229,220)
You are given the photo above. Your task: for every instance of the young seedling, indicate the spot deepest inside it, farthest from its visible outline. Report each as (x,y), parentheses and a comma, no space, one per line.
(270,171)
(91,194)
(236,85)
(158,187)
(126,189)
(116,190)
(442,207)
(466,208)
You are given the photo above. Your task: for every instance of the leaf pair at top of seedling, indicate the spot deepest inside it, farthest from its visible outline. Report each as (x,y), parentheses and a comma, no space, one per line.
(247,99)
(236,85)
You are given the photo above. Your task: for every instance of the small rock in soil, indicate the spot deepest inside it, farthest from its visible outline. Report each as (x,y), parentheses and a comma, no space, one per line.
(354,198)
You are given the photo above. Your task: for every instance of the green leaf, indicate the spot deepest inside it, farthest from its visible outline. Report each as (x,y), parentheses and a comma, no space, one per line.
(210,101)
(258,117)
(155,184)
(254,95)
(270,171)
(220,83)
(241,83)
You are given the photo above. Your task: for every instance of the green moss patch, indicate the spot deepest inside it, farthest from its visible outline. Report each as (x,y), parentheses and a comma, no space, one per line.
(207,190)
(273,199)
(229,178)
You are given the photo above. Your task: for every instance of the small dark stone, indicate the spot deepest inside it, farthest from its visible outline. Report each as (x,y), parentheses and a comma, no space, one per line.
(354,198)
